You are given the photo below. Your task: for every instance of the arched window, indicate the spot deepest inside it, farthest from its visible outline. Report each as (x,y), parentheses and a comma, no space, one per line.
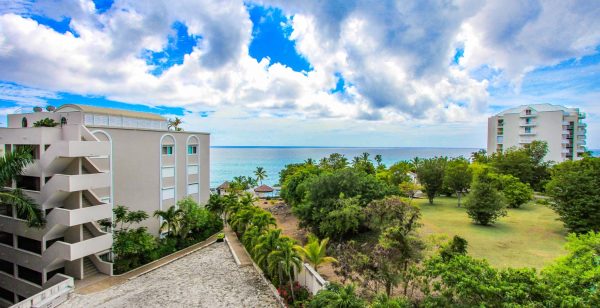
(63,121)
(24,122)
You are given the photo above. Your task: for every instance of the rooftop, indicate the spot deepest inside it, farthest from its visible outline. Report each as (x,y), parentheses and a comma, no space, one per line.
(110,111)
(538,108)
(263,189)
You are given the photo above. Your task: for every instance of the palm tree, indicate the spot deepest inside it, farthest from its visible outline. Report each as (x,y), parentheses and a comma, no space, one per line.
(378,159)
(265,244)
(174,124)
(314,252)
(285,261)
(263,220)
(309,162)
(171,219)
(11,166)
(365,156)
(240,220)
(261,174)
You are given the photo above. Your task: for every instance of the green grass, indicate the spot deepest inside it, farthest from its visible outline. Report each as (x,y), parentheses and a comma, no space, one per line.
(527,237)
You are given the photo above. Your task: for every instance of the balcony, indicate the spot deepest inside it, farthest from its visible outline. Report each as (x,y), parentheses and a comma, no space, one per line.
(565,141)
(526,141)
(566,123)
(59,154)
(565,151)
(581,142)
(582,115)
(580,150)
(530,124)
(582,125)
(566,132)
(527,133)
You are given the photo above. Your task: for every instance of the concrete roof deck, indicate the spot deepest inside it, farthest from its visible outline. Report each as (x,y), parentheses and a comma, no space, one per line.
(206,278)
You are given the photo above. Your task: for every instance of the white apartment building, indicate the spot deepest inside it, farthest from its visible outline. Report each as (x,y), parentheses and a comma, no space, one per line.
(562,128)
(94,159)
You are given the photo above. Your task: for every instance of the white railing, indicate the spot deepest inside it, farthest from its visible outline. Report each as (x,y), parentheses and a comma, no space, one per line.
(310,279)
(52,296)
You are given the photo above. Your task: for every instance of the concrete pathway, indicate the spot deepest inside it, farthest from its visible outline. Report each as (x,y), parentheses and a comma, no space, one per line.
(206,278)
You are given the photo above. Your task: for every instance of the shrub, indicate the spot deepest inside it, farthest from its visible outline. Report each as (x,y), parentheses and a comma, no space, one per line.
(337,296)
(515,192)
(301,294)
(342,221)
(46,122)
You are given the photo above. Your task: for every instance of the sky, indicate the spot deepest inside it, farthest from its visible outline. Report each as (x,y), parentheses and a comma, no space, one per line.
(306,73)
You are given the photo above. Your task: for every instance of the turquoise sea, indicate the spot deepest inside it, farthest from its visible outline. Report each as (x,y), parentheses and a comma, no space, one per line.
(227,162)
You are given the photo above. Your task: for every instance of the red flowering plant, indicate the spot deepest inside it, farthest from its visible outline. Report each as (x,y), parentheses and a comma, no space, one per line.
(300,294)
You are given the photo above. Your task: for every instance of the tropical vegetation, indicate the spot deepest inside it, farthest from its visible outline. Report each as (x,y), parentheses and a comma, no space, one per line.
(11,166)
(45,122)
(182,225)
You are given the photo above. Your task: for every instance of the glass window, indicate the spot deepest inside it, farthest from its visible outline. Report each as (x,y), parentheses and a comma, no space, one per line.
(24,122)
(63,121)
(192,169)
(167,150)
(168,193)
(192,149)
(527,130)
(192,189)
(168,172)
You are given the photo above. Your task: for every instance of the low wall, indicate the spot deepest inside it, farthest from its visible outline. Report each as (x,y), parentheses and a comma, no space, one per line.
(310,279)
(52,296)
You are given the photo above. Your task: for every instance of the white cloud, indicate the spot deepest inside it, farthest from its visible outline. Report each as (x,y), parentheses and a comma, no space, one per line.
(395,56)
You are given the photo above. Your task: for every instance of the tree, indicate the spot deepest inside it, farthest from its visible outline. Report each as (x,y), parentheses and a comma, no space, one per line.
(337,296)
(458,176)
(382,300)
(574,279)
(484,204)
(46,122)
(575,191)
(260,174)
(343,220)
(170,220)
(409,190)
(480,157)
(11,166)
(216,204)
(431,175)
(130,245)
(174,124)
(284,261)
(315,252)
(526,163)
(391,211)
(335,161)
(514,191)
(265,244)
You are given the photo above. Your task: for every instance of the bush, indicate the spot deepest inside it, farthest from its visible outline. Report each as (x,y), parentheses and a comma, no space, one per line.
(484,204)
(301,294)
(46,122)
(337,296)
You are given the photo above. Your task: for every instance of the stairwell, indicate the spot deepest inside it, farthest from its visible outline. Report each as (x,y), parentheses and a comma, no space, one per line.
(89,269)
(87,234)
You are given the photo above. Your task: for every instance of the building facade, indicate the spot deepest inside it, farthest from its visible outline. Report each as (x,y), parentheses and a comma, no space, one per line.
(562,128)
(93,160)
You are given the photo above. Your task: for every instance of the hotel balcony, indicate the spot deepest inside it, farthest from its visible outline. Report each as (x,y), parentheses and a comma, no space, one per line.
(582,115)
(583,125)
(581,150)
(581,142)
(530,124)
(566,132)
(565,151)
(527,133)
(564,141)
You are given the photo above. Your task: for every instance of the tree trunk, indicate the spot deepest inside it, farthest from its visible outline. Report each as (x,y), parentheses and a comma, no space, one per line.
(291,284)
(388,288)
(458,195)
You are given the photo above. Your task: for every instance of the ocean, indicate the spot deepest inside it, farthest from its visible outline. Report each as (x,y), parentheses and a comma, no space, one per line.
(228,162)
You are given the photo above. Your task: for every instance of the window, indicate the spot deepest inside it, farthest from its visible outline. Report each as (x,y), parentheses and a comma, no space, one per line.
(168,193)
(7,295)
(192,169)
(24,122)
(528,130)
(528,121)
(528,111)
(167,150)
(28,182)
(499,139)
(192,149)
(168,172)
(63,121)
(192,189)
(7,267)
(29,244)
(30,275)
(6,238)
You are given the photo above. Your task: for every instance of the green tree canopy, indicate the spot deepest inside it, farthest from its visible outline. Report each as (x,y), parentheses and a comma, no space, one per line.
(458,176)
(575,191)
(431,175)
(484,204)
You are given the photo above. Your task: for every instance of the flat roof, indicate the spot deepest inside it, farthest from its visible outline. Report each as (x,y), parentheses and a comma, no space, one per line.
(538,108)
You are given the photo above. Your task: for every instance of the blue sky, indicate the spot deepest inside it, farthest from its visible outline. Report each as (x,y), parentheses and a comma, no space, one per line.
(303,73)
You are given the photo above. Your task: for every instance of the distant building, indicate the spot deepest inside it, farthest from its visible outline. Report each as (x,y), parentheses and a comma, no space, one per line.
(94,159)
(263,191)
(562,128)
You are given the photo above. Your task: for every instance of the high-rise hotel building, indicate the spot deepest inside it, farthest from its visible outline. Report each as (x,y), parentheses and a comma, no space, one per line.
(94,159)
(562,128)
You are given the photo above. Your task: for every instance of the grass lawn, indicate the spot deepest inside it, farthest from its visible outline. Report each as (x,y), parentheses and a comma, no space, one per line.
(527,237)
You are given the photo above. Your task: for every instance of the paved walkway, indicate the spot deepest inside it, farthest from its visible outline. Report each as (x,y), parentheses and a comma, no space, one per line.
(206,278)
